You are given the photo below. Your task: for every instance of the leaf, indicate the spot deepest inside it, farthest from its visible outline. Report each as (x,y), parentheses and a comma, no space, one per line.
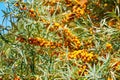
(3,38)
(14,25)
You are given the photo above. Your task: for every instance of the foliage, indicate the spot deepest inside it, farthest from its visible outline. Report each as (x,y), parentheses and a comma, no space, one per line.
(61,40)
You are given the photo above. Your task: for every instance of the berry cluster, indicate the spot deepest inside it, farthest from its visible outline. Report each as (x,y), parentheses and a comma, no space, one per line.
(43,43)
(71,40)
(83,55)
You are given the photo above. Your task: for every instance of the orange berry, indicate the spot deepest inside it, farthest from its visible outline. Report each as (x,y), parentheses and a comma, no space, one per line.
(16,4)
(108,46)
(31,10)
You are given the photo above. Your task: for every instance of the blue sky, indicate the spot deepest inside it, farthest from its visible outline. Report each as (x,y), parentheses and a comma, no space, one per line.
(2,7)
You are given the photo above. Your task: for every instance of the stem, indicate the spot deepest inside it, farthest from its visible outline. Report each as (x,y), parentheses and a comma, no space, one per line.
(32,65)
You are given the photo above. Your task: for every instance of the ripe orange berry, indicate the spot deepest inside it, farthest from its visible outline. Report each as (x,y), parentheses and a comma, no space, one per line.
(31,10)
(108,46)
(23,7)
(16,4)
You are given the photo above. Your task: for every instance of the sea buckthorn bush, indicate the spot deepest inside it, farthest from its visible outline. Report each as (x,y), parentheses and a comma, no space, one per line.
(60,40)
